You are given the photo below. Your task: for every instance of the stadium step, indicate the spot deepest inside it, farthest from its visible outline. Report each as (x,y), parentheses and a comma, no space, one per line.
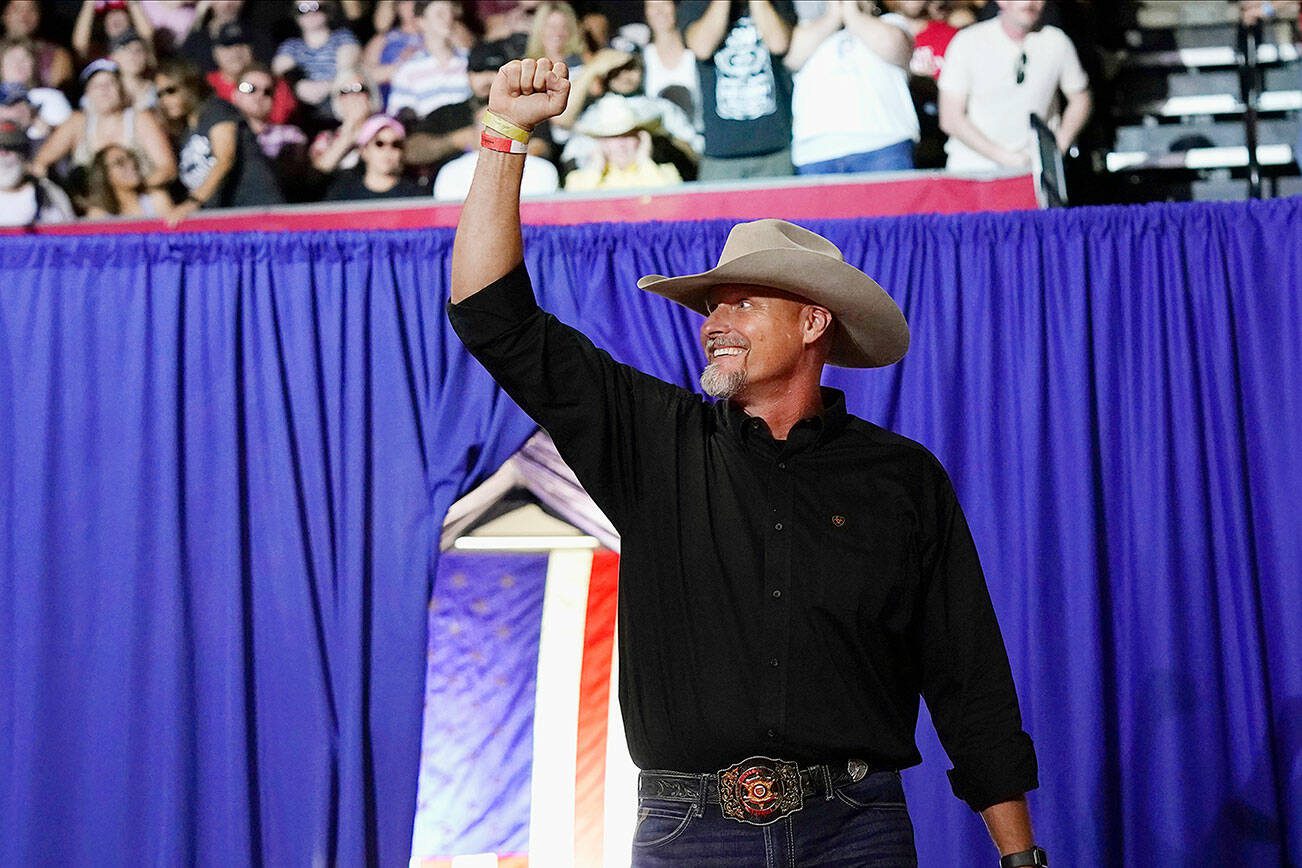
(1202,133)
(1181,117)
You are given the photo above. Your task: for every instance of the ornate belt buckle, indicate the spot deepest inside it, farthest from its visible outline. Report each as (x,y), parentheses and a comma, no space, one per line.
(760,790)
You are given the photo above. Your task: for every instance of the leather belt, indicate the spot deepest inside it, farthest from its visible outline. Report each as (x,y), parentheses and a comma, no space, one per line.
(758,790)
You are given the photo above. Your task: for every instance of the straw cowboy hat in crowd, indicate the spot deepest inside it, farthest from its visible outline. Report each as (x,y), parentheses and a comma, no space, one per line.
(870,329)
(613,115)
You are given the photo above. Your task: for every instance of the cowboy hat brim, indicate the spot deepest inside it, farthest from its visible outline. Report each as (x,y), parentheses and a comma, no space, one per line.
(871,331)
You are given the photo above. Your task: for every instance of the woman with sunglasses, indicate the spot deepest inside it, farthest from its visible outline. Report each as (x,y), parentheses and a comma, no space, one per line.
(116,187)
(221,164)
(380,143)
(107,118)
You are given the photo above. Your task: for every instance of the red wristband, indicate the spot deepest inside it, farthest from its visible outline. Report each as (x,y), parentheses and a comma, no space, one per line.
(495,142)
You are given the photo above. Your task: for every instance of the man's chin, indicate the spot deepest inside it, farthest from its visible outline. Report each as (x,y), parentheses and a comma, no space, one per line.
(718,381)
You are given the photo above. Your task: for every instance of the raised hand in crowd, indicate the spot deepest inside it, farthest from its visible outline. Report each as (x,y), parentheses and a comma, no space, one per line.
(98,24)
(355,99)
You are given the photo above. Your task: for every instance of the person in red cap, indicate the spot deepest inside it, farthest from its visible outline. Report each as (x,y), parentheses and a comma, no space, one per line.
(792,578)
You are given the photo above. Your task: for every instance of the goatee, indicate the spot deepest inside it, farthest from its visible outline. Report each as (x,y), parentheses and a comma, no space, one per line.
(718,383)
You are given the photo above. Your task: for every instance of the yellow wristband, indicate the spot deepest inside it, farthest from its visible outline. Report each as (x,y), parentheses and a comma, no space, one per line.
(499,124)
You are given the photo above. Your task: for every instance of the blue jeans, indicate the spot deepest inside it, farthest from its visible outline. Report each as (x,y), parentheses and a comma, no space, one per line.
(892,158)
(857,825)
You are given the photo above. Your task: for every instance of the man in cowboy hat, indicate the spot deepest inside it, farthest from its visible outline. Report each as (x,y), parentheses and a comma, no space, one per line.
(792,578)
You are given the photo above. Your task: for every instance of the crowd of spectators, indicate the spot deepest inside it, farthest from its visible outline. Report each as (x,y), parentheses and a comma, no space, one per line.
(160,108)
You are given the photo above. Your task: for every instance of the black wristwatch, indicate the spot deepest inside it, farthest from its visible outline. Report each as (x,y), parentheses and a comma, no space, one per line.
(1035,857)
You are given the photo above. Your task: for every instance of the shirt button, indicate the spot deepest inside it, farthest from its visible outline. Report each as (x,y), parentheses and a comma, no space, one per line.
(777,594)
(771,734)
(782,465)
(773,661)
(778,526)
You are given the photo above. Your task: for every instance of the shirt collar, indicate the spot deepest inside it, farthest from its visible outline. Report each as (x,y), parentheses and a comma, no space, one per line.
(811,431)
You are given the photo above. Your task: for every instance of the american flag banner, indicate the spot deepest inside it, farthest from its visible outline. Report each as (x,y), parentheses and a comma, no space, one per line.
(523,755)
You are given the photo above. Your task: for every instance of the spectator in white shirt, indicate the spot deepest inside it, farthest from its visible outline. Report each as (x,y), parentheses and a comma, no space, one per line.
(19,83)
(666,60)
(437,76)
(850,104)
(25,200)
(997,74)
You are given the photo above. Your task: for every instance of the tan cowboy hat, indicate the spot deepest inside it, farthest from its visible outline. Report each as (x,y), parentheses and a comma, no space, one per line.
(871,331)
(612,115)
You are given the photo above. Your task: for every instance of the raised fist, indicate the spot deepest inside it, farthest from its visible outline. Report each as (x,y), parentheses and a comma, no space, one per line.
(528,92)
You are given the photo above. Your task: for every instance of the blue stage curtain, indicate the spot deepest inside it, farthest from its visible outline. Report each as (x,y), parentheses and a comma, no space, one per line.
(226,464)
(224,461)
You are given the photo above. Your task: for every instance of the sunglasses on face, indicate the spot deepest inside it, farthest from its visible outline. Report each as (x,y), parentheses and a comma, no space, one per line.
(355,87)
(250,88)
(305,8)
(383,144)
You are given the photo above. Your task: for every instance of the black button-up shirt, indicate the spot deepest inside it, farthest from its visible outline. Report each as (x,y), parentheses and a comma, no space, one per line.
(787,598)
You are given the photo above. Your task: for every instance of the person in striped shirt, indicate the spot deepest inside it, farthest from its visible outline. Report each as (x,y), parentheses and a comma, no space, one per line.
(315,58)
(437,76)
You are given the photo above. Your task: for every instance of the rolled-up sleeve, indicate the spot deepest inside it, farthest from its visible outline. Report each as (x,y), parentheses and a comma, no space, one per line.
(966,679)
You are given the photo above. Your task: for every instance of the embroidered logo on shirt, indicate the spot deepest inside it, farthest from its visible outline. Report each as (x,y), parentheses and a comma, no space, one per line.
(838,520)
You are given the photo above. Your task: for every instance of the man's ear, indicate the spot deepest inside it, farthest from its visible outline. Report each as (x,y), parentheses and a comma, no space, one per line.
(816,322)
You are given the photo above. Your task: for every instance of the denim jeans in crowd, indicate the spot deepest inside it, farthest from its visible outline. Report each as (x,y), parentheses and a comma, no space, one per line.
(858,825)
(892,158)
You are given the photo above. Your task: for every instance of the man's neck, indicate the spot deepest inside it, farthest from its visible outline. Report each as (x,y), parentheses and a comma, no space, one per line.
(1014,32)
(782,411)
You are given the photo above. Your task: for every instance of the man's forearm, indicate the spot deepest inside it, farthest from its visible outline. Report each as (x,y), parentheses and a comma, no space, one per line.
(704,34)
(955,123)
(425,148)
(1009,824)
(488,243)
(1074,116)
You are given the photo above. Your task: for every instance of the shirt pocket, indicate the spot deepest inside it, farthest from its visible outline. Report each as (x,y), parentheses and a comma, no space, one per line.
(865,565)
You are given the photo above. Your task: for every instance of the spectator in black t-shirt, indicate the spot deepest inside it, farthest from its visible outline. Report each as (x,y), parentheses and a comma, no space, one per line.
(380,143)
(219,161)
(745,89)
